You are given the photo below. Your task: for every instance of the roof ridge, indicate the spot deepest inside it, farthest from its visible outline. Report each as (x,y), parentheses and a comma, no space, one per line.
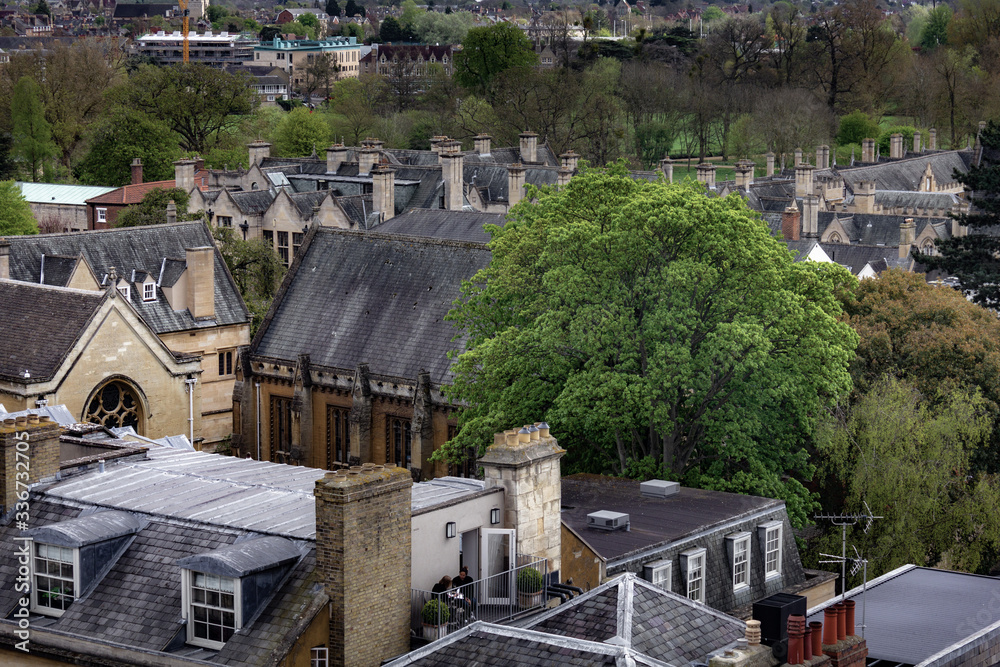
(422,240)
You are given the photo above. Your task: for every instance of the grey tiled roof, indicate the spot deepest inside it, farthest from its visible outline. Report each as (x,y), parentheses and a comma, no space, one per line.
(924,200)
(57,269)
(905,174)
(855,257)
(443,224)
(40,326)
(134,249)
(593,616)
(366,297)
(253,202)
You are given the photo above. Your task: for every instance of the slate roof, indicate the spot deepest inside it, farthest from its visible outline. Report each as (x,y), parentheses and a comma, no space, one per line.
(57,270)
(905,174)
(491,179)
(136,249)
(923,200)
(383,301)
(914,615)
(252,202)
(40,327)
(131,194)
(653,520)
(855,257)
(443,224)
(358,208)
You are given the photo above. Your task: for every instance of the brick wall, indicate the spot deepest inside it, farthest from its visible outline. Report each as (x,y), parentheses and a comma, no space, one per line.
(363,559)
(42,453)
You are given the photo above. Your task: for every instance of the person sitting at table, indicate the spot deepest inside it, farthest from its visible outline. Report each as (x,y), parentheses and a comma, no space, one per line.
(463,582)
(443,585)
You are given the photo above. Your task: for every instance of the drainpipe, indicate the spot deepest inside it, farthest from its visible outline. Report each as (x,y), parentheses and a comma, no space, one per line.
(258,420)
(190,388)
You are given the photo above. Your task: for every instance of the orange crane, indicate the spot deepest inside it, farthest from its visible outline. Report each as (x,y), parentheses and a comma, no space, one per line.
(184,25)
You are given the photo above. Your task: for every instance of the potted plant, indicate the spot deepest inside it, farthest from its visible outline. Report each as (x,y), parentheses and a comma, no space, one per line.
(435,616)
(529,587)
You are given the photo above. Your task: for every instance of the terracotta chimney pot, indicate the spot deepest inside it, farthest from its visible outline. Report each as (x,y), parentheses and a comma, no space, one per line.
(850,617)
(830,625)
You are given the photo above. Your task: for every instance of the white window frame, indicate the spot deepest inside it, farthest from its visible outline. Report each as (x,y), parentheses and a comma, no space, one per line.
(49,611)
(739,559)
(660,573)
(102,215)
(319,656)
(149,291)
(125,292)
(187,581)
(771,533)
(695,562)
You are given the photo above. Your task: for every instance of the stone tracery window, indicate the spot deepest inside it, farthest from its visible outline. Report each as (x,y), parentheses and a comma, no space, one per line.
(114,404)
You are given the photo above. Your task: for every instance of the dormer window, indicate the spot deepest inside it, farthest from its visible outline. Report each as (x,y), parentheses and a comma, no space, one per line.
(738,550)
(55,579)
(124,290)
(149,291)
(213,614)
(770,535)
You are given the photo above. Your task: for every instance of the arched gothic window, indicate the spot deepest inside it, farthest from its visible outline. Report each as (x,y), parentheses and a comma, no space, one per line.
(116,403)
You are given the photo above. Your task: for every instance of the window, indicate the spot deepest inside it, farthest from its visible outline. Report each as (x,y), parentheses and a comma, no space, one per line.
(212,609)
(102,215)
(693,569)
(338,436)
(149,291)
(398,441)
(281,429)
(268,234)
(115,404)
(317,656)
(225,220)
(55,579)
(225,363)
(738,548)
(124,291)
(296,242)
(770,539)
(659,573)
(283,247)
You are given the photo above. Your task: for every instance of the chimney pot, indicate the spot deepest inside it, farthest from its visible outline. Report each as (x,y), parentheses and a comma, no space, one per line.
(753,632)
(817,638)
(830,625)
(136,171)
(849,612)
(841,620)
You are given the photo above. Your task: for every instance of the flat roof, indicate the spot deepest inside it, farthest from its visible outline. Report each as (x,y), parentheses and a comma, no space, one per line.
(917,615)
(443,490)
(178,36)
(54,193)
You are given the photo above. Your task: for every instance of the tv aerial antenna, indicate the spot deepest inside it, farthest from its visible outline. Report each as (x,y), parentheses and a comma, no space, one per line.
(866,519)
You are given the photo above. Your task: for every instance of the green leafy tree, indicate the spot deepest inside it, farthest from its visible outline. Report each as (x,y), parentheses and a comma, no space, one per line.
(32,135)
(390,30)
(16,218)
(298,28)
(935,30)
(216,13)
(409,14)
(353,9)
(300,132)
(908,456)
(153,208)
(309,20)
(256,269)
(332,8)
(42,8)
(269,32)
(489,51)
(122,136)
(650,322)
(975,258)
(857,126)
(196,101)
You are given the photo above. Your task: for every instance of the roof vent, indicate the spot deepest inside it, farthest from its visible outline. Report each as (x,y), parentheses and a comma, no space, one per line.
(659,488)
(605,520)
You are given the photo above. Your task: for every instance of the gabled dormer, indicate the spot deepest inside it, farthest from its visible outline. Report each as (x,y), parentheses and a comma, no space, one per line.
(69,558)
(67,271)
(189,283)
(145,285)
(224,590)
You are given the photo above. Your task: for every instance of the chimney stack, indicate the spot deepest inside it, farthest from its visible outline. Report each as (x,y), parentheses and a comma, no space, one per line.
(823,157)
(810,216)
(384,191)
(363,559)
(336,155)
(770,164)
(258,150)
(864,197)
(515,184)
(136,171)
(367,158)
(791,223)
(868,150)
(184,175)
(4,259)
(565,174)
(436,142)
(525,463)
(171,212)
(932,139)
(667,165)
(804,179)
(896,146)
(744,174)
(481,144)
(569,160)
(452,171)
(34,441)
(916,141)
(907,232)
(529,147)
(798,157)
(201,282)
(706,175)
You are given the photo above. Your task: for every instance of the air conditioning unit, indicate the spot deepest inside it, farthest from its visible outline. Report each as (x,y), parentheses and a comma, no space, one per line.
(659,488)
(605,520)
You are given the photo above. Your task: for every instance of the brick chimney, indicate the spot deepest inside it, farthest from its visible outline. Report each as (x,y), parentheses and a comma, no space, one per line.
(525,463)
(201,282)
(907,232)
(744,174)
(258,151)
(367,158)
(864,197)
(791,223)
(363,556)
(706,175)
(384,191)
(515,184)
(481,143)
(452,170)
(136,171)
(336,155)
(4,259)
(868,150)
(529,147)
(667,166)
(769,172)
(932,139)
(896,146)
(804,179)
(810,216)
(823,157)
(36,438)
(184,175)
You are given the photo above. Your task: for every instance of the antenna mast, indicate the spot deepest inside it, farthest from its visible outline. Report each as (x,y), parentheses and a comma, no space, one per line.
(845,520)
